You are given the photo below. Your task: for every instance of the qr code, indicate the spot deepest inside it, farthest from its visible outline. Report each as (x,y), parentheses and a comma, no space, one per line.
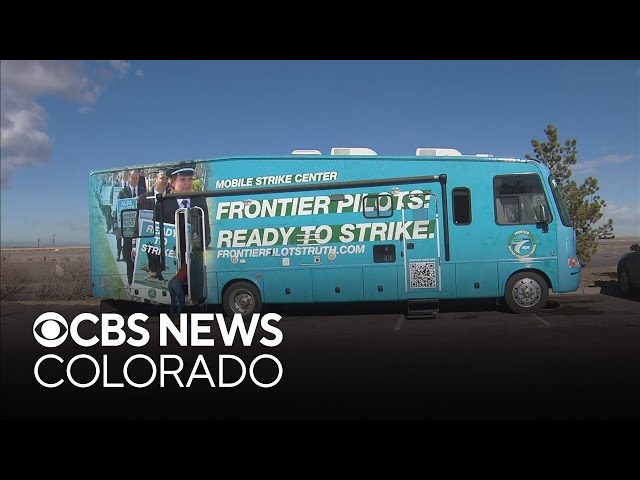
(422,274)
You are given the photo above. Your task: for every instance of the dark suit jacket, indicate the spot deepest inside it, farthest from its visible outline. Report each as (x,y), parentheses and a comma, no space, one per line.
(142,185)
(141,189)
(170,207)
(125,193)
(147,203)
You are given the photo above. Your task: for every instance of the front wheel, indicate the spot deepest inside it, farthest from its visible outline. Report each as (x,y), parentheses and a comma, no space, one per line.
(526,292)
(243,298)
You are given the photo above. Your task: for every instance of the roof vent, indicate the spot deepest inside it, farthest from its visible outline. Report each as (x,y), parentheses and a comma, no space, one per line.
(352,151)
(437,152)
(306,152)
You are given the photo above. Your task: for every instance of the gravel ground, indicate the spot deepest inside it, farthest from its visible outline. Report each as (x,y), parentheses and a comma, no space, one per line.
(593,277)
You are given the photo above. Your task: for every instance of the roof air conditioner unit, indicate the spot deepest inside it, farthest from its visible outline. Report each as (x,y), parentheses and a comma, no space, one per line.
(352,151)
(437,152)
(306,152)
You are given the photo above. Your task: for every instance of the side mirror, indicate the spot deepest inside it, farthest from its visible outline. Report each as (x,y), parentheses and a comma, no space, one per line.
(545,216)
(635,247)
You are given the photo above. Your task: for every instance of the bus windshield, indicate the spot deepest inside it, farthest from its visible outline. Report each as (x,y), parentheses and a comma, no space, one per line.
(560,202)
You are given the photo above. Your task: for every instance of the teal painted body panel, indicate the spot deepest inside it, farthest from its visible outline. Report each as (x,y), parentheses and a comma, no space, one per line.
(380,283)
(337,284)
(288,286)
(568,277)
(212,285)
(477,279)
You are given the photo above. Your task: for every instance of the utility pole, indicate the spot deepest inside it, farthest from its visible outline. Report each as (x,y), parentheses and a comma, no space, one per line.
(38,242)
(54,240)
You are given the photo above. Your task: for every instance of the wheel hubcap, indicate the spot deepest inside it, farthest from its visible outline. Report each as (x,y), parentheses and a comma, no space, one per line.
(527,292)
(242,302)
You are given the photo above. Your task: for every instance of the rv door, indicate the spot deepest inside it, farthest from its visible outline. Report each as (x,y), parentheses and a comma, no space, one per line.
(190,250)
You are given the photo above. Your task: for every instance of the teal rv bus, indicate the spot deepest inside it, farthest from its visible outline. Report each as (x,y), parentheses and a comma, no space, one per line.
(351,226)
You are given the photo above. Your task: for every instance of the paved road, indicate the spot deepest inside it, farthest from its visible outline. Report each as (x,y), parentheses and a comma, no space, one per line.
(579,358)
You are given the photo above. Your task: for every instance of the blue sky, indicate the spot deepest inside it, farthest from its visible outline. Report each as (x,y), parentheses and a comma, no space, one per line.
(62,119)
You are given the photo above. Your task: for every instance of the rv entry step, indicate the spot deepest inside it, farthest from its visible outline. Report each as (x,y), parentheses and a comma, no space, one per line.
(422,309)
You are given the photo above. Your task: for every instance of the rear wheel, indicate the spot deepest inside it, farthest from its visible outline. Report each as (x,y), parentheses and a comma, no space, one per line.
(526,292)
(625,282)
(243,298)
(108,306)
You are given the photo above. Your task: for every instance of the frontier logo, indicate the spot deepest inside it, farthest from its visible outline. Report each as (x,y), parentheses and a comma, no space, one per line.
(51,330)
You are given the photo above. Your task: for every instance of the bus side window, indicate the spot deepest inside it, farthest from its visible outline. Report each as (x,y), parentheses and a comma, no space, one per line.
(461,206)
(507,210)
(377,205)
(518,199)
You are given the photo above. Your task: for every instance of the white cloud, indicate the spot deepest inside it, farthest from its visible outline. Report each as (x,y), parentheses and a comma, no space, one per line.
(589,166)
(24,140)
(120,66)
(584,166)
(626,218)
(614,158)
(139,73)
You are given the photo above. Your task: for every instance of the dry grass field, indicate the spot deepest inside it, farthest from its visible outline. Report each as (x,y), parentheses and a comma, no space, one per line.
(63,273)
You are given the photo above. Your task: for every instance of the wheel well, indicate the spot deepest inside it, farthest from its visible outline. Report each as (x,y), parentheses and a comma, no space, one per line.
(533,270)
(235,280)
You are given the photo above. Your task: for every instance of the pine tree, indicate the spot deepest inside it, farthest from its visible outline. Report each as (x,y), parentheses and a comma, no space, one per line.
(584,204)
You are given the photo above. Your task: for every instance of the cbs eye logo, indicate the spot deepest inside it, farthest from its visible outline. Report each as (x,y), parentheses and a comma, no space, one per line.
(50,329)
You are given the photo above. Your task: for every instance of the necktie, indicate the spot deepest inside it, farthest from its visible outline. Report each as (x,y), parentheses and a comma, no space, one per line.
(134,192)
(184,203)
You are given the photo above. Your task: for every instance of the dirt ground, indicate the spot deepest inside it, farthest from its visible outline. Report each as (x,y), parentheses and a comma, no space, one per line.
(592,278)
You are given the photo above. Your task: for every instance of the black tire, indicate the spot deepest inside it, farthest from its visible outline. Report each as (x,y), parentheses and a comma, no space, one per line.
(243,298)
(526,292)
(125,307)
(625,282)
(108,306)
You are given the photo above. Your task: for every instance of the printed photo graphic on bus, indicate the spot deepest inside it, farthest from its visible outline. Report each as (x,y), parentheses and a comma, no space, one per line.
(126,219)
(149,278)
(105,195)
